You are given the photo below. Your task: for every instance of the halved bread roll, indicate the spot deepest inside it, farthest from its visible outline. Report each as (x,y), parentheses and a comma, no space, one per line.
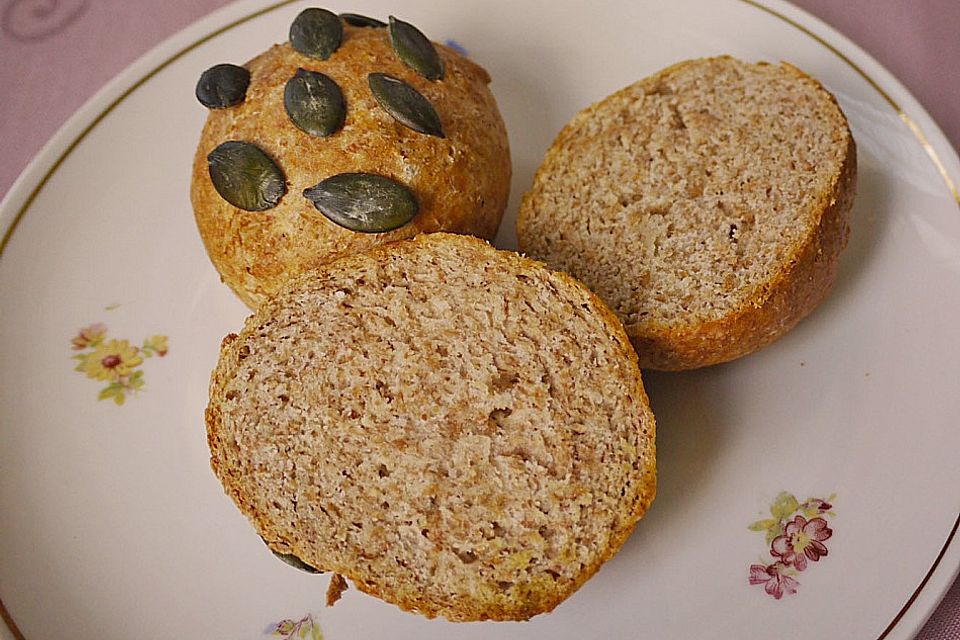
(706,204)
(456,429)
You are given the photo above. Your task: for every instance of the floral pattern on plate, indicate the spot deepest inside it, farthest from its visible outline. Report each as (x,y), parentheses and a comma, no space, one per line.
(795,536)
(305,628)
(113,361)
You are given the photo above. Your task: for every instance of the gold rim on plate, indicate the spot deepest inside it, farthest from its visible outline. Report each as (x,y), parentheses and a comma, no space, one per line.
(908,121)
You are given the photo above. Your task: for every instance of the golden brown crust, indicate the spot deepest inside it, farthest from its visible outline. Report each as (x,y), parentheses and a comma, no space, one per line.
(462,181)
(803,279)
(535,597)
(799,287)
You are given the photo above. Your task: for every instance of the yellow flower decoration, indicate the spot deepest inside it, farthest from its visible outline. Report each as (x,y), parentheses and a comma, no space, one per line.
(111,361)
(114,361)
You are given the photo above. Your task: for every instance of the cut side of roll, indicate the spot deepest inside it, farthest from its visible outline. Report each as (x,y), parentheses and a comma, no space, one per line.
(455,429)
(707,205)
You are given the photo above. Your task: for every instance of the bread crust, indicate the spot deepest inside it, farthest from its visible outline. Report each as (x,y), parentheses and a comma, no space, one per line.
(802,280)
(535,598)
(801,284)
(462,181)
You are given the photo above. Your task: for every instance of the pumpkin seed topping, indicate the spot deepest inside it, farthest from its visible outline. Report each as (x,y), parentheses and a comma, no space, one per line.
(245,176)
(223,85)
(314,102)
(364,202)
(316,33)
(292,560)
(357,20)
(408,106)
(415,49)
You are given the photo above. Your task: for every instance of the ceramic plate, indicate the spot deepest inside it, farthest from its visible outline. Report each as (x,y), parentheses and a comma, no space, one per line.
(844,431)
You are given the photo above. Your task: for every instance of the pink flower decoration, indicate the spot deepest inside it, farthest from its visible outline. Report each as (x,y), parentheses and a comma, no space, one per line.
(801,539)
(773,579)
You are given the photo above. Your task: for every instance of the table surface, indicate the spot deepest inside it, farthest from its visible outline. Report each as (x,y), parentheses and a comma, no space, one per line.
(52,60)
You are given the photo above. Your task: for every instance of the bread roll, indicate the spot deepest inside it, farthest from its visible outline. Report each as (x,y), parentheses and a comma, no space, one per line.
(455,429)
(707,205)
(461,180)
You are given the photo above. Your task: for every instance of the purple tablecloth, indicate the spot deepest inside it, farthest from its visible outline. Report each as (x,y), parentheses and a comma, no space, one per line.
(52,59)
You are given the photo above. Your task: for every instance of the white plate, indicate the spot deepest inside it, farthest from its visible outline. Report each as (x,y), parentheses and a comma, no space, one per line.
(113,526)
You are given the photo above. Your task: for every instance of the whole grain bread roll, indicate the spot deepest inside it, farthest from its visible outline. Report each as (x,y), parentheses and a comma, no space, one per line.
(455,429)
(707,205)
(461,180)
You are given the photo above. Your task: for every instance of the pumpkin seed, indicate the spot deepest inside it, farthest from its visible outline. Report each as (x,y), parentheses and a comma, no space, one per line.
(245,176)
(364,202)
(296,562)
(222,85)
(357,20)
(415,49)
(314,103)
(408,106)
(293,560)
(316,33)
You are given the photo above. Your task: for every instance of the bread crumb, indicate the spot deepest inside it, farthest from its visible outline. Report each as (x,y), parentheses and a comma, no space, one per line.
(335,591)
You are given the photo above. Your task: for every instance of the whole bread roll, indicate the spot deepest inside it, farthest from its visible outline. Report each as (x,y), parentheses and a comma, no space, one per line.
(461,180)
(707,205)
(455,429)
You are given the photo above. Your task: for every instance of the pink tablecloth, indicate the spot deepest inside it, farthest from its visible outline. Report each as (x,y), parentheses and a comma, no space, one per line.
(52,60)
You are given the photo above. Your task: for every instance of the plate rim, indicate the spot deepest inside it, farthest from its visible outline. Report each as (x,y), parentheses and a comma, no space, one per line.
(944,570)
